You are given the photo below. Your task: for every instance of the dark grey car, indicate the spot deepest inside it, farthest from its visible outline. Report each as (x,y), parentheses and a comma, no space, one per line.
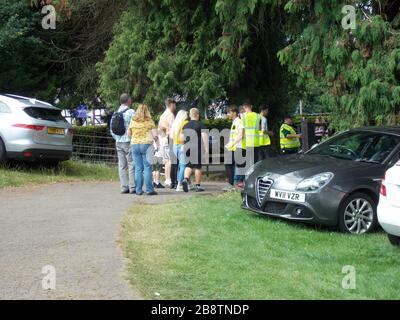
(336,183)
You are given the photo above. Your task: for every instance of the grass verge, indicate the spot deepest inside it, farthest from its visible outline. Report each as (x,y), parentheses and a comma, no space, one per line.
(21,174)
(208,248)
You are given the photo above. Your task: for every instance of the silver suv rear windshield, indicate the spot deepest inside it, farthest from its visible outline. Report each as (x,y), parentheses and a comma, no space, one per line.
(44,114)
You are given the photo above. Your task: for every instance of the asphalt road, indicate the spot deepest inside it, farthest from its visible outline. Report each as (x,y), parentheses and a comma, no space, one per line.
(72,227)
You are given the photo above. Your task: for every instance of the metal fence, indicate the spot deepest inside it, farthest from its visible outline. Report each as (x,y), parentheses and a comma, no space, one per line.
(93,117)
(95,149)
(101,150)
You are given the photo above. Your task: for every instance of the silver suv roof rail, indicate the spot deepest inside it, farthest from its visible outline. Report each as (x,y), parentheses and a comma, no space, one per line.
(31,100)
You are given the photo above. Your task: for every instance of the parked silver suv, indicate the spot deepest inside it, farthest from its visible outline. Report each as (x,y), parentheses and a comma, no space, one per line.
(33,130)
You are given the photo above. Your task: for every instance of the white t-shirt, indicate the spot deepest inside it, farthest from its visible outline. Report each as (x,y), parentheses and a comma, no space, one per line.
(264,124)
(238,125)
(165,122)
(163,150)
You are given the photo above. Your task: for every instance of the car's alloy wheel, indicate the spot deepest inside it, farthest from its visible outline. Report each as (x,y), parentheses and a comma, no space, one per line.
(358,214)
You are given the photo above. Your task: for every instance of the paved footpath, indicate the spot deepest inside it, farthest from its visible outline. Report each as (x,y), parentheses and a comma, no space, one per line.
(73,227)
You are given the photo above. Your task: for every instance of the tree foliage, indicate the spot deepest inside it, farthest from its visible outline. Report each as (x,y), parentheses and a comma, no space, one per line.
(356,71)
(271,51)
(201,49)
(24,57)
(60,63)
(79,42)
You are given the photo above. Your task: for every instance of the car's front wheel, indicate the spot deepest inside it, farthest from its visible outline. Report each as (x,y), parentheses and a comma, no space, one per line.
(394,240)
(357,214)
(3,153)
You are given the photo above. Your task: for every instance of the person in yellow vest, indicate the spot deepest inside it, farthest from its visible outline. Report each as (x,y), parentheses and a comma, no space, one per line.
(177,138)
(252,126)
(290,139)
(235,146)
(264,150)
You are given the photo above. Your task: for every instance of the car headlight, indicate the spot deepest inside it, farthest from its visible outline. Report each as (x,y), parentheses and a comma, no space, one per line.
(315,183)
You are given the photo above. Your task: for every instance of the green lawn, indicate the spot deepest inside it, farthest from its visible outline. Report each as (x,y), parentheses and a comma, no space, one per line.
(20,174)
(208,248)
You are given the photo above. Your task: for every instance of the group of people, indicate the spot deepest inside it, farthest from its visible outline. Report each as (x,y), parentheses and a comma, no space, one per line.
(178,143)
(188,137)
(250,141)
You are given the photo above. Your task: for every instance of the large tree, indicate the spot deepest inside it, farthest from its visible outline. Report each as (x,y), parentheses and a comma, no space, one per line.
(79,42)
(25,66)
(356,70)
(48,63)
(201,49)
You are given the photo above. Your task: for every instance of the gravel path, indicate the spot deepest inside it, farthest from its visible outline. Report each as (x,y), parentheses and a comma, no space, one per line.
(73,227)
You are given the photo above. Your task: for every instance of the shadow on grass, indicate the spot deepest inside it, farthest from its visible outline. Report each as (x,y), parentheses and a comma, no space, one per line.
(308,226)
(31,166)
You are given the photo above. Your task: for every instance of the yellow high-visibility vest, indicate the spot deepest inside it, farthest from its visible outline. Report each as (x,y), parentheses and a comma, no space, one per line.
(252,124)
(288,143)
(233,136)
(265,139)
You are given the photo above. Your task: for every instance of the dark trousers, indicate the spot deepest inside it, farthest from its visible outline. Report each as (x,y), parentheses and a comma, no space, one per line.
(174,174)
(264,152)
(174,164)
(230,170)
(241,162)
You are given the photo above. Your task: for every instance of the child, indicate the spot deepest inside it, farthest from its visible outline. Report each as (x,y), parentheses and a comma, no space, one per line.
(158,162)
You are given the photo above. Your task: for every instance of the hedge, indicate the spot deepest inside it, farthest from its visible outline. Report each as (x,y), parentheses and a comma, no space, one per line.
(93,135)
(104,131)
(219,124)
(92,131)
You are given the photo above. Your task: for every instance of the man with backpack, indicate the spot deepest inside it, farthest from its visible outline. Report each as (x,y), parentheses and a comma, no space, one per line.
(119,130)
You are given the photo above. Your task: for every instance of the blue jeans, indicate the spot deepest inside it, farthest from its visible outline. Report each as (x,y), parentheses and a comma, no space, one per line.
(239,178)
(180,155)
(142,168)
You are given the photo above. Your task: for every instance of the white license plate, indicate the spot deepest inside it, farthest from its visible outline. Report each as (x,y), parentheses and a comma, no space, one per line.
(288,196)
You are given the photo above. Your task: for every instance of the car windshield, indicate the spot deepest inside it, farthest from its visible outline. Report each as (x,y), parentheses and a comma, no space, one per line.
(368,147)
(44,114)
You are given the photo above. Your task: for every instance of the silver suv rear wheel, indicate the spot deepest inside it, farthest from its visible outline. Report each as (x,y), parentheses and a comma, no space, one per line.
(3,153)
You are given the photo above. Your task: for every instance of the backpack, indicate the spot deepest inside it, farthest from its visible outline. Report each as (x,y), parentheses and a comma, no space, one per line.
(118,123)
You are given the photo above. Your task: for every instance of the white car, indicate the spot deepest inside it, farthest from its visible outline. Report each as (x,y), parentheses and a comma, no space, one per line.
(389,204)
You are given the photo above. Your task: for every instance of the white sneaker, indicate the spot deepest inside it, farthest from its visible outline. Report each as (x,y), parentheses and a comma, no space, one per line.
(179,188)
(167,183)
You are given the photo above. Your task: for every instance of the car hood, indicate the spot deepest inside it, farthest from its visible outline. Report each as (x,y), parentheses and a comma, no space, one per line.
(289,171)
